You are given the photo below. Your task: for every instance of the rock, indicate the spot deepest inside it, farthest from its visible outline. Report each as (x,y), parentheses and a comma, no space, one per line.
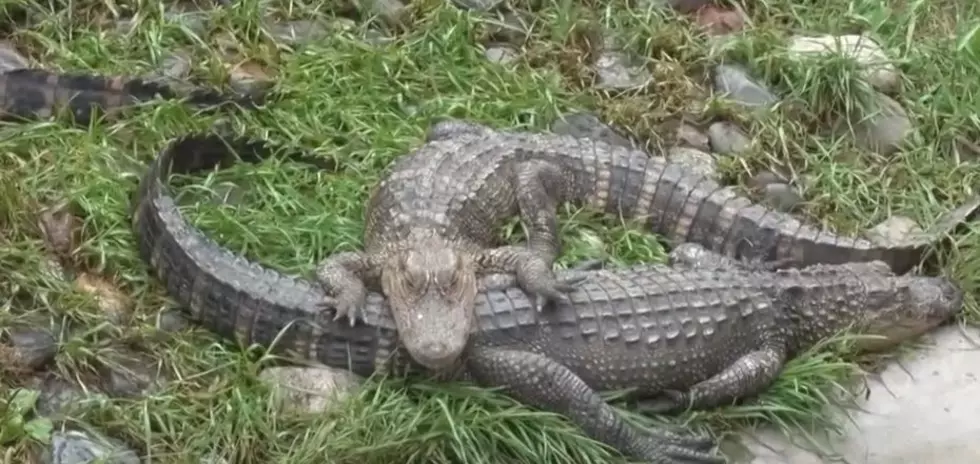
(616,71)
(250,77)
(10,59)
(715,20)
(697,160)
(507,27)
(60,397)
(588,126)
(478,5)
(883,127)
(60,228)
(683,6)
(688,135)
(171,321)
(393,13)
(116,304)
(27,349)
(877,68)
(76,447)
(175,66)
(764,178)
(300,32)
(727,139)
(128,374)
(195,21)
(919,410)
(310,389)
(500,54)
(736,84)
(782,197)
(894,230)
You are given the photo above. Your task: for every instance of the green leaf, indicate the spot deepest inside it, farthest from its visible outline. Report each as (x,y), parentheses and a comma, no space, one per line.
(39,429)
(23,400)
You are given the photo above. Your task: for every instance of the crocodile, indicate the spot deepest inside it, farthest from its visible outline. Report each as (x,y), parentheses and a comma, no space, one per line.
(33,94)
(431,225)
(700,333)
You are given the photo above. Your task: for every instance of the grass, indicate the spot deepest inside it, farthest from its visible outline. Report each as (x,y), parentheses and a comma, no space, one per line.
(365,104)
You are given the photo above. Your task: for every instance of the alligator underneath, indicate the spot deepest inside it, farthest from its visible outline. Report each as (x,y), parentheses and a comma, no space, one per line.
(34,94)
(703,335)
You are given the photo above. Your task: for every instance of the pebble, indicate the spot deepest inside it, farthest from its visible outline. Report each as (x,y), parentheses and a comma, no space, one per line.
(877,68)
(59,397)
(690,136)
(894,230)
(500,53)
(76,447)
(782,197)
(31,348)
(171,321)
(735,82)
(882,130)
(717,21)
(478,5)
(508,27)
(764,178)
(393,13)
(589,126)
(617,72)
(10,59)
(697,160)
(727,138)
(128,374)
(299,32)
(309,389)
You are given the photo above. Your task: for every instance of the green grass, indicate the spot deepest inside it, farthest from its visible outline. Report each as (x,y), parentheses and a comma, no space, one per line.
(365,105)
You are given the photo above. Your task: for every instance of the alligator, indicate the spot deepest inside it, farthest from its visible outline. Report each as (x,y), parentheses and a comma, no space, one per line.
(701,333)
(33,94)
(432,225)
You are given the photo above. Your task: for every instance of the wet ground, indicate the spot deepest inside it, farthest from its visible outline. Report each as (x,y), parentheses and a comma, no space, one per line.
(924,409)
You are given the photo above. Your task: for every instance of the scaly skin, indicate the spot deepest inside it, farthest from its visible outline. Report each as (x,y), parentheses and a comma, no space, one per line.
(703,335)
(431,225)
(41,94)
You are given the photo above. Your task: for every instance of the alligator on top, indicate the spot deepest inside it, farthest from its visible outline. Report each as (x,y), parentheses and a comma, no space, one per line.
(432,223)
(40,94)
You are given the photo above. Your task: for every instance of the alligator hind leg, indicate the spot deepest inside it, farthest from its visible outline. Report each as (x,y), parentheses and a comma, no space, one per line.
(747,376)
(541,382)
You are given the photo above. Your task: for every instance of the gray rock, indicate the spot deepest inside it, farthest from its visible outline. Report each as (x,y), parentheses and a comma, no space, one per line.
(617,71)
(175,66)
(128,374)
(31,348)
(508,27)
(877,68)
(883,127)
(697,160)
(893,231)
(300,32)
(195,21)
(764,178)
(60,397)
(75,447)
(310,389)
(589,126)
(782,197)
(478,5)
(921,409)
(500,54)
(171,321)
(10,59)
(690,136)
(393,13)
(727,139)
(736,82)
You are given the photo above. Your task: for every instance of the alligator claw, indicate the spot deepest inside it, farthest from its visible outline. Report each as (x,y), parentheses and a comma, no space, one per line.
(340,308)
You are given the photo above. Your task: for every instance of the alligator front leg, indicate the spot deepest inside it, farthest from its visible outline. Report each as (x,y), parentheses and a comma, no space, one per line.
(532,274)
(545,384)
(503,281)
(747,376)
(695,256)
(343,277)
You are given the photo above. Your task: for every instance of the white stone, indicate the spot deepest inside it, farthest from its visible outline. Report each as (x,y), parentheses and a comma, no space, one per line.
(878,69)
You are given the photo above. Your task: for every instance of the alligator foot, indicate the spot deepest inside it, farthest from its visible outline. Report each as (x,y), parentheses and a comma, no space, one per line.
(340,276)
